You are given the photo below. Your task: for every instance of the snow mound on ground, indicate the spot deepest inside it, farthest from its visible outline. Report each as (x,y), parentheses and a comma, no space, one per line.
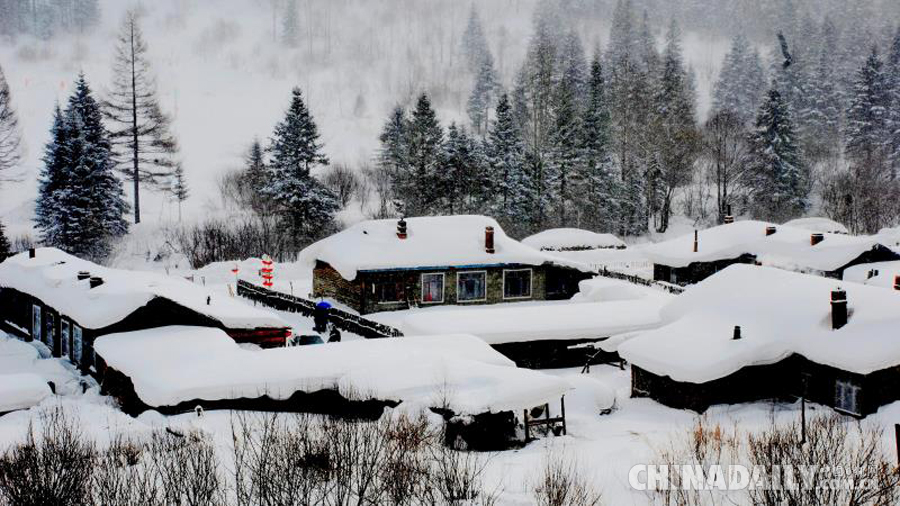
(562,239)
(588,396)
(600,289)
(22,391)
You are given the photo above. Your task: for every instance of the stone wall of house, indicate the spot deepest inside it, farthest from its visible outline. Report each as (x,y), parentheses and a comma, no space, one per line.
(328,283)
(696,272)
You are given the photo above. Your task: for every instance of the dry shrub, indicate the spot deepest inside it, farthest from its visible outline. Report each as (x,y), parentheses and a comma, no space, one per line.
(562,484)
(53,465)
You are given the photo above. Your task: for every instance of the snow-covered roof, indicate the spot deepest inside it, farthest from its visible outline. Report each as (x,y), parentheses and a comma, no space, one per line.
(432,242)
(883,275)
(604,308)
(788,248)
(52,277)
(170,365)
(562,239)
(818,224)
(780,313)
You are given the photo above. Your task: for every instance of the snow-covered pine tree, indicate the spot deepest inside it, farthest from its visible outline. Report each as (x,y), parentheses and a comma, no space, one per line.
(676,136)
(741,82)
(85,14)
(461,180)
(146,149)
(867,195)
(506,169)
(474,44)
(393,158)
(482,96)
(178,188)
(304,207)
(5,246)
(10,136)
(631,86)
(600,190)
(290,24)
(424,140)
(892,71)
(81,205)
(565,156)
(823,111)
(868,124)
(779,189)
(256,172)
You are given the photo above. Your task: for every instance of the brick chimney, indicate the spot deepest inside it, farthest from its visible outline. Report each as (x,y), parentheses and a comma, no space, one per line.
(816,238)
(696,240)
(728,217)
(838,308)
(31,252)
(82,275)
(489,239)
(401,229)
(737,332)
(770,230)
(897,282)
(95,282)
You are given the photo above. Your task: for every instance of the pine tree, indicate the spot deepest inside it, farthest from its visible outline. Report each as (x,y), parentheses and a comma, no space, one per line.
(741,82)
(424,140)
(506,164)
(305,208)
(179,188)
(460,180)
(5,246)
(10,136)
(146,149)
(474,43)
(290,24)
(482,94)
(868,124)
(565,157)
(256,171)
(600,190)
(892,72)
(822,114)
(81,206)
(780,191)
(85,14)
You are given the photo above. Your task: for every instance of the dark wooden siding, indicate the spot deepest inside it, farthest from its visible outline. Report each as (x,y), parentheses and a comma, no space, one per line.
(547,282)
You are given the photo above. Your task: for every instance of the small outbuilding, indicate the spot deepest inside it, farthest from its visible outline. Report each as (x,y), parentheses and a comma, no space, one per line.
(751,333)
(572,239)
(65,302)
(691,258)
(386,265)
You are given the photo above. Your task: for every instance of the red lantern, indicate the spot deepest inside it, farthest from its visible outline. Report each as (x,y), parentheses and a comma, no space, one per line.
(267,271)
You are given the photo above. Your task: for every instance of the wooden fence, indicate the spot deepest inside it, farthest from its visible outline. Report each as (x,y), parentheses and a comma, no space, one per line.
(341,319)
(669,287)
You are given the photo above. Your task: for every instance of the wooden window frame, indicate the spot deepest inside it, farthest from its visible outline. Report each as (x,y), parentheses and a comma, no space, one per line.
(443,287)
(530,284)
(458,291)
(857,390)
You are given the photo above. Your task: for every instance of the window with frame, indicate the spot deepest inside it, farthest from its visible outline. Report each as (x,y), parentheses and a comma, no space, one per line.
(433,288)
(64,337)
(517,284)
(49,325)
(846,395)
(390,291)
(76,343)
(36,322)
(471,286)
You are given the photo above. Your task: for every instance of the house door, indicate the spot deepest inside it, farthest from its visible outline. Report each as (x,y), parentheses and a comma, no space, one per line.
(35,322)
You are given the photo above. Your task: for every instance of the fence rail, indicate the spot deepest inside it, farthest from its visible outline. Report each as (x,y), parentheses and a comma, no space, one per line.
(341,319)
(669,287)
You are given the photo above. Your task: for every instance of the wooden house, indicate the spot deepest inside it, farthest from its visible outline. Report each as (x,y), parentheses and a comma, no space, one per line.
(693,257)
(753,333)
(384,265)
(66,303)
